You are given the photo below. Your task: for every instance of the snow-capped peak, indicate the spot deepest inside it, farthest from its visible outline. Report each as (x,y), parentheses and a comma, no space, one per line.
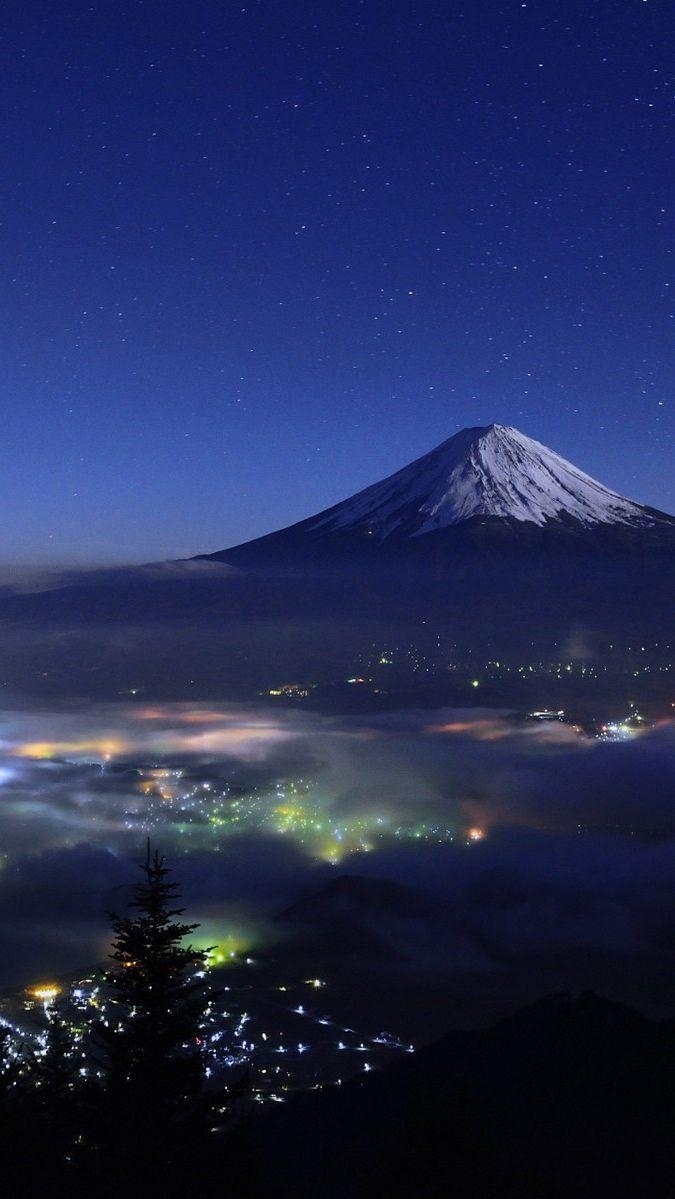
(494,471)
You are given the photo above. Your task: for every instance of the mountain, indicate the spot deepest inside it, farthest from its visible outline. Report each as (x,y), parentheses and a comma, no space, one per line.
(355,896)
(488,476)
(568,1097)
(355,914)
(489,548)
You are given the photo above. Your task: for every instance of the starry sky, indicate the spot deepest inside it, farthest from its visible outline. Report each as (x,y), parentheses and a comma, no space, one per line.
(255,257)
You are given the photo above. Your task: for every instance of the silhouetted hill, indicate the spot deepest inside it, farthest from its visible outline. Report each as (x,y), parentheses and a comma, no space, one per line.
(354,916)
(355,894)
(571,1098)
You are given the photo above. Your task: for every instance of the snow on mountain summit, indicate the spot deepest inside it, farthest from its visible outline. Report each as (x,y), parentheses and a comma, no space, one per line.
(493,471)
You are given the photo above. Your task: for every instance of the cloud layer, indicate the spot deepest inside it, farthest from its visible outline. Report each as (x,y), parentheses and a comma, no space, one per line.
(256,807)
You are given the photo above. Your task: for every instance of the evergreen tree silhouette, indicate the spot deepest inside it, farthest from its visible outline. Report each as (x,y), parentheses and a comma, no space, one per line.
(153,1033)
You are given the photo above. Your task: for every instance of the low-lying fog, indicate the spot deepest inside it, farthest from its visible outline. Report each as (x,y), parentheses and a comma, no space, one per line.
(532,847)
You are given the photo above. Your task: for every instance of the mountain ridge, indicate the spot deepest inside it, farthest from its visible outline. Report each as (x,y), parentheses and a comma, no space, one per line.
(307,600)
(494,470)
(488,476)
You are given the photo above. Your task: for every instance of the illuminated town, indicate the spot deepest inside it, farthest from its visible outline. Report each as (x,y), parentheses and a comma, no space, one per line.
(282,1034)
(291,809)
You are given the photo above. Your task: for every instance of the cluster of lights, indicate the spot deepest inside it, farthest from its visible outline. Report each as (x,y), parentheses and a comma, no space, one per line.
(283,1046)
(293,809)
(622,730)
(45,993)
(436,656)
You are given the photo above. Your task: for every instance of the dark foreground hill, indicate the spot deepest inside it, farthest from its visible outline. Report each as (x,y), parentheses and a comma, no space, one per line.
(568,1099)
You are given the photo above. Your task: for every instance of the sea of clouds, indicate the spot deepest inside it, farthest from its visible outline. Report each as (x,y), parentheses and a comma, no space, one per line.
(573,883)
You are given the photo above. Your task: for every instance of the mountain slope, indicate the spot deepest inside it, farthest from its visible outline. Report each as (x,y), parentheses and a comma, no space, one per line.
(491,544)
(491,471)
(569,1097)
(491,475)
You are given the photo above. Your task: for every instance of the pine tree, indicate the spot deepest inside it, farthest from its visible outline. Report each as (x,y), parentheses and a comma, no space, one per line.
(153,1023)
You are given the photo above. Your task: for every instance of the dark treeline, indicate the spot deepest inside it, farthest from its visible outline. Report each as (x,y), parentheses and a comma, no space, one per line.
(135,1117)
(570,1097)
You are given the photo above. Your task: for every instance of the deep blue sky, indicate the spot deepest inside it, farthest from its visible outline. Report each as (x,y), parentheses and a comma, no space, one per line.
(256,256)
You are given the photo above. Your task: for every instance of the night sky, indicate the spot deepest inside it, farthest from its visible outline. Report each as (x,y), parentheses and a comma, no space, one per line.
(256,257)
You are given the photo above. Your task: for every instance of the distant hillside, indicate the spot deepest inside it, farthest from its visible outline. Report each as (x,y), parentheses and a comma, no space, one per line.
(568,1099)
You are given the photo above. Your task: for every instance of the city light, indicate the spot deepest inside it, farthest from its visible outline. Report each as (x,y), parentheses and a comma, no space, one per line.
(46,992)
